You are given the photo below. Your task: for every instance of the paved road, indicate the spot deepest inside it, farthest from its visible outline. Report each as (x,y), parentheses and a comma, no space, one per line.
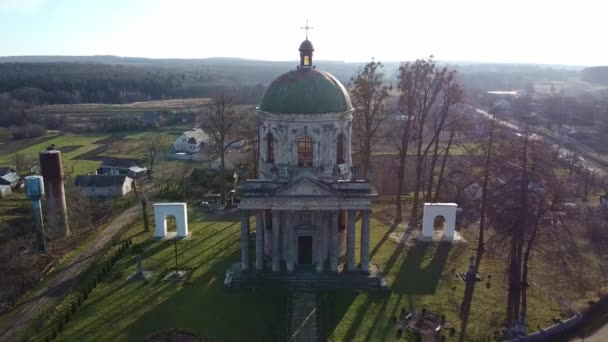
(599,336)
(68,276)
(591,161)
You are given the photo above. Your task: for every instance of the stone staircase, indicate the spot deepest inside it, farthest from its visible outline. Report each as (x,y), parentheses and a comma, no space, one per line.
(307,281)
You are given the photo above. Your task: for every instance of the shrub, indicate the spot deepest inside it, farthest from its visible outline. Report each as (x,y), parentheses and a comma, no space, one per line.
(27,131)
(137,249)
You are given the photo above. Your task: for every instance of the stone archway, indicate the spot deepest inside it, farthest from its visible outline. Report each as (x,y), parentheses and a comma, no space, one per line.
(434,210)
(177,210)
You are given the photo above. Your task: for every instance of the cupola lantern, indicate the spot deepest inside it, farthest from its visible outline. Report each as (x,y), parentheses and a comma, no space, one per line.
(306,49)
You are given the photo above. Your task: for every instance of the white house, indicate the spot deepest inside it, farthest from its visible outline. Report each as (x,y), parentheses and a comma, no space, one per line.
(104,185)
(191,141)
(119,166)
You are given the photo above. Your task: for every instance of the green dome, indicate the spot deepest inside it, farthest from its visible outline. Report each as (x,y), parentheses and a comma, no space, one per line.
(306,91)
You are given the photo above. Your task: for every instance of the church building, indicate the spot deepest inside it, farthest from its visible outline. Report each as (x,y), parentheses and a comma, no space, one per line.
(307,198)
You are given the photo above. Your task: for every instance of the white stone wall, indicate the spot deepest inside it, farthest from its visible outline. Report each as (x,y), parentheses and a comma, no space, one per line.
(108,191)
(324,130)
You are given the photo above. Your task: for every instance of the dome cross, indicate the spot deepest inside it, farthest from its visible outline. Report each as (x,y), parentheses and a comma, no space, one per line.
(306,28)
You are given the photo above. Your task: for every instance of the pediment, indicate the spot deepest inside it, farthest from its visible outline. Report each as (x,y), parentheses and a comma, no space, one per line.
(307,188)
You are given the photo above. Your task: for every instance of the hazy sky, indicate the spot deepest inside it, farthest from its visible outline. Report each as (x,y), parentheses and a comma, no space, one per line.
(538,31)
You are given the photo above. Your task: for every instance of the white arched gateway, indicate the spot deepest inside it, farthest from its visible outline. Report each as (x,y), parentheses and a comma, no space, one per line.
(164,210)
(434,210)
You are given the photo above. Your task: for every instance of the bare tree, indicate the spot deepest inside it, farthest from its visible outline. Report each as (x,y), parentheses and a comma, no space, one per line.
(368,94)
(484,188)
(153,146)
(221,122)
(421,84)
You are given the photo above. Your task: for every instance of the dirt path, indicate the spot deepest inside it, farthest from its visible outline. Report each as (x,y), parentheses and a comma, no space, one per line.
(303,324)
(63,282)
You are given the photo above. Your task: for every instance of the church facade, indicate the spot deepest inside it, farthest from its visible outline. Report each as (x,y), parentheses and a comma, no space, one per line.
(306,199)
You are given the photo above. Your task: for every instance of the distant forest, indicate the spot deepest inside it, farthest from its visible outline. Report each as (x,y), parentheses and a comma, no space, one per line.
(41,80)
(596,75)
(64,83)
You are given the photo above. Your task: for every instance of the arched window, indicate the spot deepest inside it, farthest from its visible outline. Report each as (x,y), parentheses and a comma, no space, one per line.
(340,149)
(305,151)
(269,148)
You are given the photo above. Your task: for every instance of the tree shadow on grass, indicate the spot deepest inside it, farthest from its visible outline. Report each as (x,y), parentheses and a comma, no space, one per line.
(465,309)
(467,299)
(334,306)
(415,279)
(383,240)
(222,315)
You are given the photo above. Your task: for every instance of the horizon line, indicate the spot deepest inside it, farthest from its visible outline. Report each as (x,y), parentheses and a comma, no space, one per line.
(294,60)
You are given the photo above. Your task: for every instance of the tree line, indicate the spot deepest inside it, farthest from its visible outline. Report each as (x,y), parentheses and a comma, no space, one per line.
(66,83)
(508,181)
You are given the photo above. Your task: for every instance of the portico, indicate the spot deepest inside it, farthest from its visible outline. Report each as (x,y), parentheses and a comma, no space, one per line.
(300,228)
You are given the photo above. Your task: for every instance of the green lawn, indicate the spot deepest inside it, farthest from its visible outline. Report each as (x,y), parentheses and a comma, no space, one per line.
(455,150)
(86,143)
(425,277)
(119,310)
(421,276)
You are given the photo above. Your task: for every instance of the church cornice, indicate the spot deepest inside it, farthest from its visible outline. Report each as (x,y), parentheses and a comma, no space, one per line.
(304,117)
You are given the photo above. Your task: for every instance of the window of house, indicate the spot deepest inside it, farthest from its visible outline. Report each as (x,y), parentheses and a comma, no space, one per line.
(306,60)
(340,149)
(305,151)
(269,148)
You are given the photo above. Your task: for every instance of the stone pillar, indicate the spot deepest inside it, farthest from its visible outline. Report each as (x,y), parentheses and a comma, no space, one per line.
(366,215)
(319,251)
(259,240)
(276,241)
(333,238)
(289,245)
(244,240)
(350,240)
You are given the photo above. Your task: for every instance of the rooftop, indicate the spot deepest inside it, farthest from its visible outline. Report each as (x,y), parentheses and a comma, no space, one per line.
(100,180)
(197,134)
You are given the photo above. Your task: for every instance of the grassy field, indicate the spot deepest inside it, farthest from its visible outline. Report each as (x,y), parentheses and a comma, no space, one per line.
(425,277)
(82,152)
(136,107)
(455,150)
(421,276)
(119,310)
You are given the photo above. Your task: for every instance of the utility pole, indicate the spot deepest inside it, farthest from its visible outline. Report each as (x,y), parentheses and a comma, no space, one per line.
(175,242)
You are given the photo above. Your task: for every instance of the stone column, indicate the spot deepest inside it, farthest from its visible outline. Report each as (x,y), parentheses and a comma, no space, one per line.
(318,221)
(333,238)
(289,245)
(366,215)
(244,240)
(350,240)
(259,240)
(276,241)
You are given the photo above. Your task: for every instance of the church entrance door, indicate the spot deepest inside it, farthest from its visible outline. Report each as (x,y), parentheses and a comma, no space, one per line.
(305,250)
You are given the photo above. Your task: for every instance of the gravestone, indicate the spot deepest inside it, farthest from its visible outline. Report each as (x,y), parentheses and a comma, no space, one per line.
(140,273)
(470,275)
